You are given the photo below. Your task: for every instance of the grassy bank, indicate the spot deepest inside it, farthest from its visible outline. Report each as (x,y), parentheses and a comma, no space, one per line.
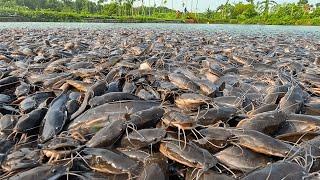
(9,14)
(285,14)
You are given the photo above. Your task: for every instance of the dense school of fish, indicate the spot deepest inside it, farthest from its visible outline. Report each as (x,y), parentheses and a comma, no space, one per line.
(155,104)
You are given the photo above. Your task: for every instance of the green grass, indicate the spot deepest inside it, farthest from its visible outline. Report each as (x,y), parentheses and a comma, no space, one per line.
(24,14)
(54,16)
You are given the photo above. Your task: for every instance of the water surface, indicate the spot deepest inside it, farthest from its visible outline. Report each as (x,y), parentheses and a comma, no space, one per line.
(239,29)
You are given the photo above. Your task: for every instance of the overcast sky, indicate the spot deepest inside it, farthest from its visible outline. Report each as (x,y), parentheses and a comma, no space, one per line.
(204,4)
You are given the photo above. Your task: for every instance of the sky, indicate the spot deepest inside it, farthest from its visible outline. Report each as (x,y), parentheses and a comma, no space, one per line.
(203,5)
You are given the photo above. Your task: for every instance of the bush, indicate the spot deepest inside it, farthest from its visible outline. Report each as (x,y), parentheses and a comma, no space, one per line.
(315,21)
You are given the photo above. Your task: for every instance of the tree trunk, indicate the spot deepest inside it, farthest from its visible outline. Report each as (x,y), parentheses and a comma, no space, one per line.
(171,4)
(191,10)
(144,8)
(266,10)
(197,8)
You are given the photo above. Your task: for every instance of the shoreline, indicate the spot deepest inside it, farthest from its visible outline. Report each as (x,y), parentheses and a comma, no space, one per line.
(133,21)
(92,20)
(52,16)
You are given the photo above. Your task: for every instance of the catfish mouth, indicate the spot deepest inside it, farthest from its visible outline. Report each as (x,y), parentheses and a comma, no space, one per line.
(175,156)
(59,153)
(62,148)
(185,126)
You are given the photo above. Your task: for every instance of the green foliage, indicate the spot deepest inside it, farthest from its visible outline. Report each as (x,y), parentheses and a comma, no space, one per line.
(302,2)
(316,12)
(110,9)
(243,10)
(265,6)
(247,12)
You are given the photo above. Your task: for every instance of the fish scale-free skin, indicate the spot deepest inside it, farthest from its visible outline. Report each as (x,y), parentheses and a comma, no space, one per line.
(55,118)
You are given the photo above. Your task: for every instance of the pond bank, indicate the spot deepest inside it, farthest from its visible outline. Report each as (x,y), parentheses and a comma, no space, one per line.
(17,18)
(23,15)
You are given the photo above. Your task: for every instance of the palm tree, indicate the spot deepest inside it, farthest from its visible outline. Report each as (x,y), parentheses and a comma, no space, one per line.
(191,10)
(130,2)
(161,5)
(303,2)
(197,7)
(171,4)
(120,8)
(154,6)
(164,3)
(266,5)
(143,10)
(99,4)
(223,9)
(183,7)
(305,5)
(149,7)
(250,1)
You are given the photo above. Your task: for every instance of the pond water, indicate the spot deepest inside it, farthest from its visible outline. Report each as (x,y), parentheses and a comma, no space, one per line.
(240,29)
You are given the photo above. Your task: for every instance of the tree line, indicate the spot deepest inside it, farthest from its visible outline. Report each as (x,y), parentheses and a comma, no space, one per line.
(104,7)
(249,11)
